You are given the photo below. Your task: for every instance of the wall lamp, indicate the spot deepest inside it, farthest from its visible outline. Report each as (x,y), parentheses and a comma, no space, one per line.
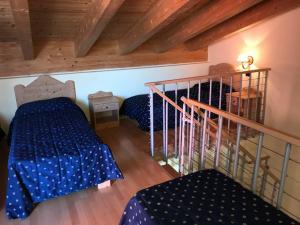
(247,62)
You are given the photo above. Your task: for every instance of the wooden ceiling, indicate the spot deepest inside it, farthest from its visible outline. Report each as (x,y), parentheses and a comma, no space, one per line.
(119,32)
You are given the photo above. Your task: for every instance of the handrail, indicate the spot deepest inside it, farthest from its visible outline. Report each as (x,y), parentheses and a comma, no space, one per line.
(211,122)
(224,74)
(289,138)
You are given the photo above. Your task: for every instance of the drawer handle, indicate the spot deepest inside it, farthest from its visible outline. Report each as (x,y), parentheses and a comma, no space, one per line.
(106,107)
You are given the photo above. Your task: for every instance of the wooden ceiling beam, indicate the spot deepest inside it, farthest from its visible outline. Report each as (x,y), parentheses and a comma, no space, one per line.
(207,17)
(262,11)
(20,11)
(98,16)
(160,15)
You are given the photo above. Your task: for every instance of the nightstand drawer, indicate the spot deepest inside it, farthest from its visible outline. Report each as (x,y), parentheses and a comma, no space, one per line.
(105,106)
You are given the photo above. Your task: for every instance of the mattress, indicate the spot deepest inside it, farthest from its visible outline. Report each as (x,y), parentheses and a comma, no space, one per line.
(137,107)
(53,152)
(204,197)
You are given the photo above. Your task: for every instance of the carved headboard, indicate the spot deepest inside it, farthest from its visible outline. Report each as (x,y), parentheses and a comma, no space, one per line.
(44,87)
(224,68)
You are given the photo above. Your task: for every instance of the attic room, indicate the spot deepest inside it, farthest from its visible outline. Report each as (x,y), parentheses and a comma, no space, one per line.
(149,112)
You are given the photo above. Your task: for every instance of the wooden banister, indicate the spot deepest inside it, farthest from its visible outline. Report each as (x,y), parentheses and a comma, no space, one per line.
(245,122)
(205,77)
(213,125)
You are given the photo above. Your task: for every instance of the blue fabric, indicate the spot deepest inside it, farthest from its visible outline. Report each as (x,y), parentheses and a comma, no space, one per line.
(53,153)
(205,197)
(137,107)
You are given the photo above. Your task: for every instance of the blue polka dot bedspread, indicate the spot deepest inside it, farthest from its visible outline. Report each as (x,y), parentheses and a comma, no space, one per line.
(138,107)
(204,197)
(53,152)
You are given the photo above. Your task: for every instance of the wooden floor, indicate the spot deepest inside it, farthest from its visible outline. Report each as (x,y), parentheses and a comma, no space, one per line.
(130,148)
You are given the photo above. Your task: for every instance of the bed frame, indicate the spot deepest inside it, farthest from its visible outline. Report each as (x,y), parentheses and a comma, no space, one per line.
(44,87)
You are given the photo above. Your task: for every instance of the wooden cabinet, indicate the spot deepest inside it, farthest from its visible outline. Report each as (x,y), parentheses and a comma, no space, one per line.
(104,110)
(251,104)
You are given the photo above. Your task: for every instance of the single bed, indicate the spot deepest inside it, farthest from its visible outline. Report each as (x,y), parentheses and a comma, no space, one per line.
(53,150)
(204,197)
(137,107)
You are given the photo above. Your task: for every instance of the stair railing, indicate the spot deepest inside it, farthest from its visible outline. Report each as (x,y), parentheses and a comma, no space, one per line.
(246,88)
(262,130)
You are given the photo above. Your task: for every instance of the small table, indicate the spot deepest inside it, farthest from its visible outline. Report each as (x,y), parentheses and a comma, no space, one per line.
(250,104)
(104,110)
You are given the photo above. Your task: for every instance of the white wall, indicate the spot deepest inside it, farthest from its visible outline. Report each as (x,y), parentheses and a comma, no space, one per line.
(123,83)
(275,44)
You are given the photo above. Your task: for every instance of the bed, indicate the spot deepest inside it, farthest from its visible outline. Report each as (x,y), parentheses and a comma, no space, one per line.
(204,197)
(137,107)
(53,150)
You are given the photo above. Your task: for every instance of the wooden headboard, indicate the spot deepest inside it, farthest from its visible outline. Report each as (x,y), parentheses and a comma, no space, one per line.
(44,87)
(226,68)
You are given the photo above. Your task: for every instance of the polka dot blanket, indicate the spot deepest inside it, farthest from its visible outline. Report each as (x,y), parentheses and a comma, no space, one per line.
(137,107)
(204,197)
(53,152)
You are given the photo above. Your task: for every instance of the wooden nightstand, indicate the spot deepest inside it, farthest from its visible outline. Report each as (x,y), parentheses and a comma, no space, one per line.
(250,104)
(104,110)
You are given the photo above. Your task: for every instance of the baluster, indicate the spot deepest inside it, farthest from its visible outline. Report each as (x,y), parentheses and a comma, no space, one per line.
(199,91)
(240,94)
(230,102)
(257,161)
(203,147)
(180,137)
(181,159)
(190,166)
(167,133)
(257,99)
(210,95)
(200,142)
(248,95)
(220,93)
(151,123)
(209,113)
(218,141)
(237,151)
(199,96)
(287,154)
(176,119)
(188,110)
(265,96)
(188,90)
(164,120)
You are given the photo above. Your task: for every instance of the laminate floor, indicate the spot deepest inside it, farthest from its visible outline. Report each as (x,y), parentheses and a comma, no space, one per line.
(130,147)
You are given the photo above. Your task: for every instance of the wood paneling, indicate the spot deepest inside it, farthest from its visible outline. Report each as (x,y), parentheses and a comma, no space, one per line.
(20,11)
(57,19)
(58,56)
(7,24)
(264,10)
(98,16)
(159,16)
(207,17)
(60,19)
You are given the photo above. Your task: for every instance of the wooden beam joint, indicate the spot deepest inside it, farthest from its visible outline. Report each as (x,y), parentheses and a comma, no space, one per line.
(98,16)
(20,11)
